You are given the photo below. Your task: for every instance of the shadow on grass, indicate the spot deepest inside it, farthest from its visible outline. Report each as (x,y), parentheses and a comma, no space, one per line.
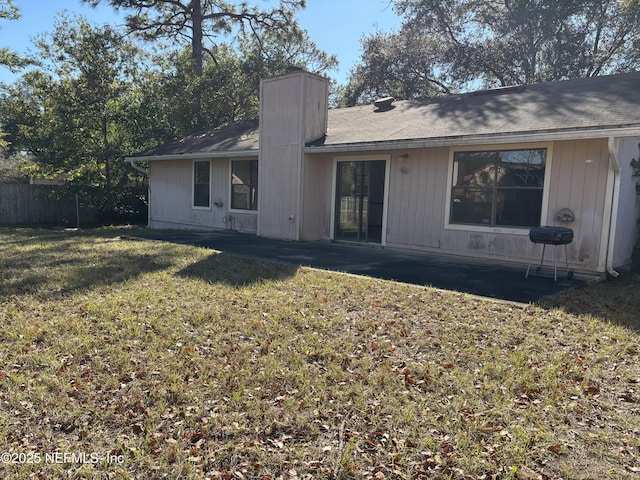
(51,264)
(237,271)
(616,300)
(69,276)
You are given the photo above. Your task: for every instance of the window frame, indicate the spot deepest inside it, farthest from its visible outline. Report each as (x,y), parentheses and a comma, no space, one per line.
(193,185)
(513,230)
(254,186)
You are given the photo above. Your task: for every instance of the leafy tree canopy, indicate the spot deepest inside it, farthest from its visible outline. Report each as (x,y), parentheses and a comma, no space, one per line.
(96,97)
(455,45)
(8,58)
(68,113)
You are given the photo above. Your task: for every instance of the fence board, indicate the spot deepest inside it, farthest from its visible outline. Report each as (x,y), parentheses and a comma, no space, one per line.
(24,204)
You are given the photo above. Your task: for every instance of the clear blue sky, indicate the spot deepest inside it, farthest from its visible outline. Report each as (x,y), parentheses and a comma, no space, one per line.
(336,26)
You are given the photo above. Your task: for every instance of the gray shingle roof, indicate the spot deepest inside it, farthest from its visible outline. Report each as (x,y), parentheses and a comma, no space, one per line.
(234,137)
(597,103)
(582,104)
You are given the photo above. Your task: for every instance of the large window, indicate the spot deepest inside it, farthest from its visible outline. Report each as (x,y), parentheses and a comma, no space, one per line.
(498,188)
(244,184)
(201,184)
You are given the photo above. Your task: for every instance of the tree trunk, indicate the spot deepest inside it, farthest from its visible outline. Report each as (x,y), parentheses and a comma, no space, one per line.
(105,146)
(196,56)
(196,37)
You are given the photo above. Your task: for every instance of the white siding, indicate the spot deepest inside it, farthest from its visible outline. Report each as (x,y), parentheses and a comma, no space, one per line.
(279,191)
(579,179)
(315,100)
(318,176)
(171,197)
(293,110)
(418,196)
(626,234)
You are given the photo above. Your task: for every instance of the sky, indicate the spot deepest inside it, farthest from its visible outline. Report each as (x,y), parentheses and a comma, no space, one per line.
(336,26)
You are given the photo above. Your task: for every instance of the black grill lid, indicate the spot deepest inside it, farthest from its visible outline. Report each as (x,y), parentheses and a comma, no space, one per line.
(551,235)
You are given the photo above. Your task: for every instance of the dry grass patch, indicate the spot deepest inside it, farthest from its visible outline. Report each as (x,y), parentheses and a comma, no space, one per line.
(181,362)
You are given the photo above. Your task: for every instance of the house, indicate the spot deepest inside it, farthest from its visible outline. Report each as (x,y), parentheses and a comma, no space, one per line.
(463,175)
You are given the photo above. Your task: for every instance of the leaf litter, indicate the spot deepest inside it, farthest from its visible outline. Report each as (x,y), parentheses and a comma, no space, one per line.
(302,374)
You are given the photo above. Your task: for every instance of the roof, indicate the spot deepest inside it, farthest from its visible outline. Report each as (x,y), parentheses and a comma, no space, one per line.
(239,138)
(589,104)
(566,109)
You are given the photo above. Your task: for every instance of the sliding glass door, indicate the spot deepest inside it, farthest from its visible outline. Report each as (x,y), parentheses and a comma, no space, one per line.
(359,201)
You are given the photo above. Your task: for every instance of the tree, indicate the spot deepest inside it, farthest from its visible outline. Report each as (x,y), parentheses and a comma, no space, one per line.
(197,20)
(8,58)
(68,114)
(400,65)
(96,98)
(271,53)
(459,44)
(228,88)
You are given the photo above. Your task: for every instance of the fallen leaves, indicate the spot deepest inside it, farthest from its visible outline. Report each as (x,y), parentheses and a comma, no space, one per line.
(308,375)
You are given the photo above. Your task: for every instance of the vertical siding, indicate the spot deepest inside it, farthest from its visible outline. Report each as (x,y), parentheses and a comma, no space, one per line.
(280,147)
(316,218)
(170,191)
(579,179)
(315,108)
(418,195)
(279,179)
(292,110)
(626,234)
(280,109)
(417,191)
(171,195)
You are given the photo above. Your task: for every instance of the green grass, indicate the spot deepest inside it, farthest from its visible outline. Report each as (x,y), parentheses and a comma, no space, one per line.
(181,362)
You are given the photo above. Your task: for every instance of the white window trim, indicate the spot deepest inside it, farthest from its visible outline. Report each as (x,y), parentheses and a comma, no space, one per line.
(193,184)
(230,176)
(499,147)
(385,207)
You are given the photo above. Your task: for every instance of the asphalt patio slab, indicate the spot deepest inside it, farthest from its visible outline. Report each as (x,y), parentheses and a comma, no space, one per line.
(488,279)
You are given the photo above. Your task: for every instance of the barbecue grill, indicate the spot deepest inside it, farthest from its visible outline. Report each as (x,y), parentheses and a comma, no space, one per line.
(554,236)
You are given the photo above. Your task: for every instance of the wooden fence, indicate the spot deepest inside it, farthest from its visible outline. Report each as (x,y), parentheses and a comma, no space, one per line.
(24,204)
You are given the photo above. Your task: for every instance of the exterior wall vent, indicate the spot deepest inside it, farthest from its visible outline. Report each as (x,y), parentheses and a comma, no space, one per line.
(384,104)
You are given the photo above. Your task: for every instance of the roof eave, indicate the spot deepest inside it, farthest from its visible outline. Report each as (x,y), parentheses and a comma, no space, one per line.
(195,155)
(485,139)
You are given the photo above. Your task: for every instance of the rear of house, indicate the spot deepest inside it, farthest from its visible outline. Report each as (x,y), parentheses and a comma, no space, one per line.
(464,175)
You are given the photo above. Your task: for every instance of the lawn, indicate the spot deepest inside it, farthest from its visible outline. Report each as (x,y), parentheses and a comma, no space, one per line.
(140,359)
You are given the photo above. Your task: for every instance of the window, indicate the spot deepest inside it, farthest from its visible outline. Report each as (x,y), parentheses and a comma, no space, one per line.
(244,185)
(498,188)
(201,184)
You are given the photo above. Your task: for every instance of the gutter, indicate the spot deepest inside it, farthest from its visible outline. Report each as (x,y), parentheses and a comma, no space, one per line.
(195,156)
(613,218)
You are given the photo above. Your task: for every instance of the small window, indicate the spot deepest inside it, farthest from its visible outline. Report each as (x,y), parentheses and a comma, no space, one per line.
(498,188)
(244,185)
(201,184)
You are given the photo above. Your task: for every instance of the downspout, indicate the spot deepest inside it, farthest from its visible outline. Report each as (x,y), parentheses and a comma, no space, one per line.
(137,167)
(613,222)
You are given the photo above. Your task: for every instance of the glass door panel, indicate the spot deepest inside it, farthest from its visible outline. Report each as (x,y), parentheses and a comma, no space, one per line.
(359,201)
